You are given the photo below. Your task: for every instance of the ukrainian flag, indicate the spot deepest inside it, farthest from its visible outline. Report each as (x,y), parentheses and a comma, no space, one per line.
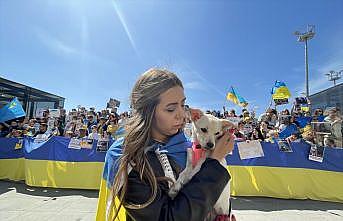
(236,98)
(175,148)
(11,111)
(280,91)
(12,162)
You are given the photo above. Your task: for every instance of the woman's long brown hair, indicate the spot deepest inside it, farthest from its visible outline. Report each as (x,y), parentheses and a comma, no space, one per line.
(144,99)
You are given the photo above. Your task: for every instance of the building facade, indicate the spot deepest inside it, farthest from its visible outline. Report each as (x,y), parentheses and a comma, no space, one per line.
(331,97)
(31,98)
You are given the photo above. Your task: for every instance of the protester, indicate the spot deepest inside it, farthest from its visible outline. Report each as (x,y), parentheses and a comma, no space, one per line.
(94,133)
(157,101)
(43,132)
(91,122)
(335,120)
(82,132)
(112,128)
(294,125)
(264,128)
(3,130)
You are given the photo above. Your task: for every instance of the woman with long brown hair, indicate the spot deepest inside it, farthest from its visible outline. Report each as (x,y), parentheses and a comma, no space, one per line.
(149,164)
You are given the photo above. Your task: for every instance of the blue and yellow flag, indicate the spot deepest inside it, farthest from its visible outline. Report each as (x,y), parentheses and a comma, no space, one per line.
(176,148)
(11,111)
(280,91)
(236,98)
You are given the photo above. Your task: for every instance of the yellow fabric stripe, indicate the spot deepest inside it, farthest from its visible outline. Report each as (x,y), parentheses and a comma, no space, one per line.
(12,169)
(104,195)
(287,183)
(278,182)
(281,93)
(230,96)
(60,174)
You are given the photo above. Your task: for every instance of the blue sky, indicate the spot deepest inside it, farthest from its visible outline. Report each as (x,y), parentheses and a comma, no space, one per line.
(89,51)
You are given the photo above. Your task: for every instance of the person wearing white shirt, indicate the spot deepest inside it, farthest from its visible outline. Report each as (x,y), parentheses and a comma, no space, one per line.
(94,134)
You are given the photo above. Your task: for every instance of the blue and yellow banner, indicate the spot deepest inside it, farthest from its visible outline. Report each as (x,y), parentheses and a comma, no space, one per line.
(288,175)
(236,98)
(54,163)
(12,111)
(12,162)
(278,174)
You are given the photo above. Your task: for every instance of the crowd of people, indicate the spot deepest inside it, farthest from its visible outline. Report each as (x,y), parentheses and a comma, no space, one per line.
(321,127)
(78,123)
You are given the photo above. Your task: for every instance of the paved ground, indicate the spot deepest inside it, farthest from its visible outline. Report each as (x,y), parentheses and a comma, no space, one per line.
(21,202)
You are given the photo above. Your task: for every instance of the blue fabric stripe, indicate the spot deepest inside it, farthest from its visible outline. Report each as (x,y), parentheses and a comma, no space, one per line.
(239,97)
(298,159)
(277,85)
(7,149)
(303,121)
(176,148)
(56,149)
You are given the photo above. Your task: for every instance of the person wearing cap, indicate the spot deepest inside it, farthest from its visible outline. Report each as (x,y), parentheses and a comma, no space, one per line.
(112,128)
(90,123)
(82,132)
(94,134)
(246,116)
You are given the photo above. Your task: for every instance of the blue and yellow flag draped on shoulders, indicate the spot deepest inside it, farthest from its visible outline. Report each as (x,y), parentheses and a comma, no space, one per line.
(176,148)
(233,96)
(12,110)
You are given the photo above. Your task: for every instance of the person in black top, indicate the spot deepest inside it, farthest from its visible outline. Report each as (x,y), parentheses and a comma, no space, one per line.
(158,115)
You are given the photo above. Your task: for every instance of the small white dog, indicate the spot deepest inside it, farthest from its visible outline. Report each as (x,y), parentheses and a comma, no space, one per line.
(205,130)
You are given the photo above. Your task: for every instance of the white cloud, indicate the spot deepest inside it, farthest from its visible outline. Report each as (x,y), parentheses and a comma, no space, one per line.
(55,45)
(63,49)
(184,70)
(194,85)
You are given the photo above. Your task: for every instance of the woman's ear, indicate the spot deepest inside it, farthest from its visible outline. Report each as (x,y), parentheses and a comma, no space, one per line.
(195,114)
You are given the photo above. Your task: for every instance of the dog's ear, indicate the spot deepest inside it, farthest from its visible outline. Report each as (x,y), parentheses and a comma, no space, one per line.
(228,124)
(195,114)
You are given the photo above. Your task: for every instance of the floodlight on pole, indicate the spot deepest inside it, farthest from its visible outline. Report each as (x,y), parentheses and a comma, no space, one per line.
(305,37)
(334,76)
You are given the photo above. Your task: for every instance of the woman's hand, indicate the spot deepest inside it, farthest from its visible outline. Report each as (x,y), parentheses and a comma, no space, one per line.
(224,145)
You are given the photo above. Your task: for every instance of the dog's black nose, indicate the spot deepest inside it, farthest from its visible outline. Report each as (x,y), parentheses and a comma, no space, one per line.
(209,145)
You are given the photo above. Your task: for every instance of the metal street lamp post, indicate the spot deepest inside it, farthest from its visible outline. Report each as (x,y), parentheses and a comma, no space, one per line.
(334,76)
(305,37)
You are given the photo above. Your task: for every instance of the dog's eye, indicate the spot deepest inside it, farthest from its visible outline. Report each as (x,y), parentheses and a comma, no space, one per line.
(204,130)
(216,133)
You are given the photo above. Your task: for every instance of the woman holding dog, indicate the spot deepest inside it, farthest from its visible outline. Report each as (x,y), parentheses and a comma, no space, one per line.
(141,182)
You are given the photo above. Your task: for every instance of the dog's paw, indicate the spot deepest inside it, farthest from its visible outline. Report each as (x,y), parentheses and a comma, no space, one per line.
(173,192)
